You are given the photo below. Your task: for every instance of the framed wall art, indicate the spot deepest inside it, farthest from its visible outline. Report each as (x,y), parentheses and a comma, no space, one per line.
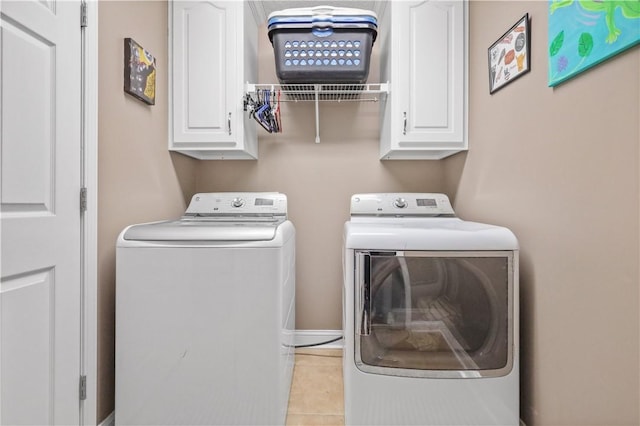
(139,72)
(509,56)
(583,34)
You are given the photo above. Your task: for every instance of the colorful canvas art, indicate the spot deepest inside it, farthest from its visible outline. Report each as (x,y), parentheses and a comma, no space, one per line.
(583,33)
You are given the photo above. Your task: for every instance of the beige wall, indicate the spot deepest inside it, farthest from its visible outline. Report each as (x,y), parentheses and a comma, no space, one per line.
(138,180)
(560,167)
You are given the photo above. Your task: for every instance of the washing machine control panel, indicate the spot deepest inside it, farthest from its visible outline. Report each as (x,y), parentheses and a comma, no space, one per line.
(238,204)
(401,204)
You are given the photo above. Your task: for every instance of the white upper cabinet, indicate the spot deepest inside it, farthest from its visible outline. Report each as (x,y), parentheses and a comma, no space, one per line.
(213,52)
(424,45)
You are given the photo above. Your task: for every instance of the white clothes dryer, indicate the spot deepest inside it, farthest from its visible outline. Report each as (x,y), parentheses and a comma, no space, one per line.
(430,315)
(205,314)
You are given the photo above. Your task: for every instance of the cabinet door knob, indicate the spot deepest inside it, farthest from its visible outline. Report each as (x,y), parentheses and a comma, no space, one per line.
(229,124)
(404,126)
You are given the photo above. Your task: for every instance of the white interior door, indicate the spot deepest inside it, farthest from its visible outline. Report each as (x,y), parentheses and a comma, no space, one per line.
(40,332)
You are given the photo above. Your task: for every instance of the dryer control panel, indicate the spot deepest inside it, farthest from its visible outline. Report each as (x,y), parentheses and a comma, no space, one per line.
(401,204)
(238,204)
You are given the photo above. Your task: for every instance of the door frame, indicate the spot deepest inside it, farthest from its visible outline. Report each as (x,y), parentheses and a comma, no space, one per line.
(89,308)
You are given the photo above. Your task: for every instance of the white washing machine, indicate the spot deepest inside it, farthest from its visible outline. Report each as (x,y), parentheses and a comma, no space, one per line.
(205,314)
(430,315)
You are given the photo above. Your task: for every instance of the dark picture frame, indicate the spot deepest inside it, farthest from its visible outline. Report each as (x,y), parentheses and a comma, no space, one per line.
(139,72)
(510,56)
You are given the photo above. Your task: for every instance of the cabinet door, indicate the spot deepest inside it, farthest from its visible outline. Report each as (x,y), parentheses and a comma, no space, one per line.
(204,69)
(428,100)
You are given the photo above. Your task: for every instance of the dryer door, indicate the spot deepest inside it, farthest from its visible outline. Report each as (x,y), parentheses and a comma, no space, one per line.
(435,314)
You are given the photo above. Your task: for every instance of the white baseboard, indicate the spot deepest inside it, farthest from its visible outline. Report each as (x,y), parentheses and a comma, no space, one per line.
(109,420)
(307,337)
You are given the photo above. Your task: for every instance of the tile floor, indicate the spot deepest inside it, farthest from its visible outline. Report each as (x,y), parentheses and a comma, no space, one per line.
(317,396)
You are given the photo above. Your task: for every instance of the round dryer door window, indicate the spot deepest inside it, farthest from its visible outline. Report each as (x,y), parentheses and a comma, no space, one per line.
(434,314)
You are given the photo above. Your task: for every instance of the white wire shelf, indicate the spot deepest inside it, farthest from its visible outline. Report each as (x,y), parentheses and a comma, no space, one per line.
(367,92)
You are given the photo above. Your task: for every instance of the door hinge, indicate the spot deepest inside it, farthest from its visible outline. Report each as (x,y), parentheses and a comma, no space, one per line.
(83,15)
(83,200)
(83,388)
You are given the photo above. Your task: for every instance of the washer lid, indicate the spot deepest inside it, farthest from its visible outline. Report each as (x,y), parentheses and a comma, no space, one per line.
(206,229)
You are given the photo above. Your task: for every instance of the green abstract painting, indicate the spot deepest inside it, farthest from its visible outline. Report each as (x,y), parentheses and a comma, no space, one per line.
(583,33)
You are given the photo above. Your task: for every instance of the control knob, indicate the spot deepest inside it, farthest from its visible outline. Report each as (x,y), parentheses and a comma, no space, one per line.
(400,203)
(237,202)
